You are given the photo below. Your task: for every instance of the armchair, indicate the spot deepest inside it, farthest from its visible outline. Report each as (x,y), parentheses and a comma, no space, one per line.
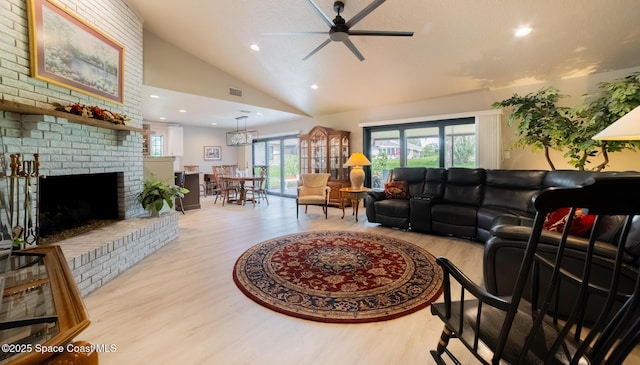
(529,329)
(313,191)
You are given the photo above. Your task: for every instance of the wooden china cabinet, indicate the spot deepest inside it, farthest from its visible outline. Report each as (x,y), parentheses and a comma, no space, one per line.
(325,150)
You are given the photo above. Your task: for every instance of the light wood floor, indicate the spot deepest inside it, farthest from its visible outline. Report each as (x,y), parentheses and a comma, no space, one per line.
(180,305)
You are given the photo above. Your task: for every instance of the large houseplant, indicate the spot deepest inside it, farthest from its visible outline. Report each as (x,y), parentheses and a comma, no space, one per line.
(156,195)
(542,124)
(615,99)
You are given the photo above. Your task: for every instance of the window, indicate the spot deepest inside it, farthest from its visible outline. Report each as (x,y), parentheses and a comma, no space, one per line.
(444,143)
(460,143)
(422,146)
(156,145)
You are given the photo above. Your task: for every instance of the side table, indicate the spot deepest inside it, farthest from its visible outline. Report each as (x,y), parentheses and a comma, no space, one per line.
(355,195)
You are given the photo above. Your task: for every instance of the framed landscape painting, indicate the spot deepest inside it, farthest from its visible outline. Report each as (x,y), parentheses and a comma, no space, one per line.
(212,153)
(69,52)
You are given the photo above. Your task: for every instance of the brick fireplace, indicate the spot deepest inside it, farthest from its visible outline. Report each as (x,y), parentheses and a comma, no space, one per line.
(74,150)
(75,158)
(95,197)
(70,149)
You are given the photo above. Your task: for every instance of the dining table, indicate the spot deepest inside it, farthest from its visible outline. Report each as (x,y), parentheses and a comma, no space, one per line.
(240,182)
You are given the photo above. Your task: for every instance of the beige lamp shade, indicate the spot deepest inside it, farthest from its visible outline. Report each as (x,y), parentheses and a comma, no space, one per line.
(356,161)
(626,128)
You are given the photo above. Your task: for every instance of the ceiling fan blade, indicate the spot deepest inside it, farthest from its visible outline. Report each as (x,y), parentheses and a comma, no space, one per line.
(380,33)
(321,13)
(364,12)
(347,42)
(295,33)
(317,49)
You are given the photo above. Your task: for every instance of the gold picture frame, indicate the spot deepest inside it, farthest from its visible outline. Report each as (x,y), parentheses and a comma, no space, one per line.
(69,52)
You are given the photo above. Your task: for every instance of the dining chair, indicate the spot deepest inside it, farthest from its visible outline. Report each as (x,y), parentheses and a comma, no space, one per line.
(216,173)
(260,185)
(313,191)
(525,327)
(231,170)
(227,190)
(252,190)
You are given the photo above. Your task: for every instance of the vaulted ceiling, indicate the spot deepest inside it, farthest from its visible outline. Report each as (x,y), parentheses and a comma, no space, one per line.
(458,46)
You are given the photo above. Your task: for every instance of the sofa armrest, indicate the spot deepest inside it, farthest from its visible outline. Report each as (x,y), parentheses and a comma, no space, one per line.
(511,220)
(520,234)
(376,195)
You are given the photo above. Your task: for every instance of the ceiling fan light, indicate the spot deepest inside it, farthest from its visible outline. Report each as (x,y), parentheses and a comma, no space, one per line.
(523,31)
(339,36)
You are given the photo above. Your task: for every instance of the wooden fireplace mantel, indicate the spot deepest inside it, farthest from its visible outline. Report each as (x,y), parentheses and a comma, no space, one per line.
(19,108)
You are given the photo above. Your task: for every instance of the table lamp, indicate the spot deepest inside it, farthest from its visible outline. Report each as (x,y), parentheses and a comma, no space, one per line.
(356,161)
(626,128)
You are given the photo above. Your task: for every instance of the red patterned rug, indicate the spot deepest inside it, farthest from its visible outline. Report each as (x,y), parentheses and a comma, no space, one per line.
(338,276)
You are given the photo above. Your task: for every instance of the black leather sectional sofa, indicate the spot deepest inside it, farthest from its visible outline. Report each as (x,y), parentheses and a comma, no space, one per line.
(493,207)
(464,202)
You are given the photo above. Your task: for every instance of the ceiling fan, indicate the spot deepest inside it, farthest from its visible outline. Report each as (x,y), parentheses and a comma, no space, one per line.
(340,29)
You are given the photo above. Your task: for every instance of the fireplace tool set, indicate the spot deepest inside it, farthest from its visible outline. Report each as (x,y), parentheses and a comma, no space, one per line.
(21,207)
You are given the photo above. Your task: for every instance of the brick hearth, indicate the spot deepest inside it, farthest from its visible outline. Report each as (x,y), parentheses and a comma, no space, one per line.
(100,255)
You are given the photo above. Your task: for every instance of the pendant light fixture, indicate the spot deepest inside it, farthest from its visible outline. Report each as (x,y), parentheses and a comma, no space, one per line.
(241,137)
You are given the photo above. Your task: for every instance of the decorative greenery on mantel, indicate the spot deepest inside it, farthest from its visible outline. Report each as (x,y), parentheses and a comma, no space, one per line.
(20,108)
(93,112)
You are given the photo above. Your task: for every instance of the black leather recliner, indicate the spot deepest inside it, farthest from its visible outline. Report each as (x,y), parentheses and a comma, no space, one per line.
(395,212)
(456,214)
(507,192)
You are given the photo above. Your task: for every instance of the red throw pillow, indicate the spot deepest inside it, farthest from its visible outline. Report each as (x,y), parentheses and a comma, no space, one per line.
(396,190)
(580,226)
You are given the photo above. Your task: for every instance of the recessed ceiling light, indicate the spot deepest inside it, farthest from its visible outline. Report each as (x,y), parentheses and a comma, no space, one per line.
(162,118)
(154,96)
(523,31)
(259,113)
(182,111)
(255,47)
(214,123)
(314,87)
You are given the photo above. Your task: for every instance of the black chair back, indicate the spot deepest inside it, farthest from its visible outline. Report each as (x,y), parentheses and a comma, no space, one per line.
(180,178)
(521,331)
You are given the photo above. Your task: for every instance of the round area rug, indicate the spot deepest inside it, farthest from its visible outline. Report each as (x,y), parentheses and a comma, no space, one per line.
(337,276)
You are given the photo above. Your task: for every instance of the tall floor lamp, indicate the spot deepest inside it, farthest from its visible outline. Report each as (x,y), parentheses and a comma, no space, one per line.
(626,128)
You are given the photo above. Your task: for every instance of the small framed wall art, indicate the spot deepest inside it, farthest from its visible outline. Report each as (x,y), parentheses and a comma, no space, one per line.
(69,52)
(212,153)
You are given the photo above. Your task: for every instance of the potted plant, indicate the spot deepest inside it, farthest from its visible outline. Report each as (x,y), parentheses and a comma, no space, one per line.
(542,124)
(545,125)
(157,196)
(616,98)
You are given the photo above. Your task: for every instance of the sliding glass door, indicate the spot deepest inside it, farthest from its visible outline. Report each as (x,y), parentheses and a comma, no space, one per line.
(280,155)
(274,162)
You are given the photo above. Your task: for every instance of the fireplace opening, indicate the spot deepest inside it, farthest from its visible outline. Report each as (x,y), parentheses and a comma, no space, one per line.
(69,201)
